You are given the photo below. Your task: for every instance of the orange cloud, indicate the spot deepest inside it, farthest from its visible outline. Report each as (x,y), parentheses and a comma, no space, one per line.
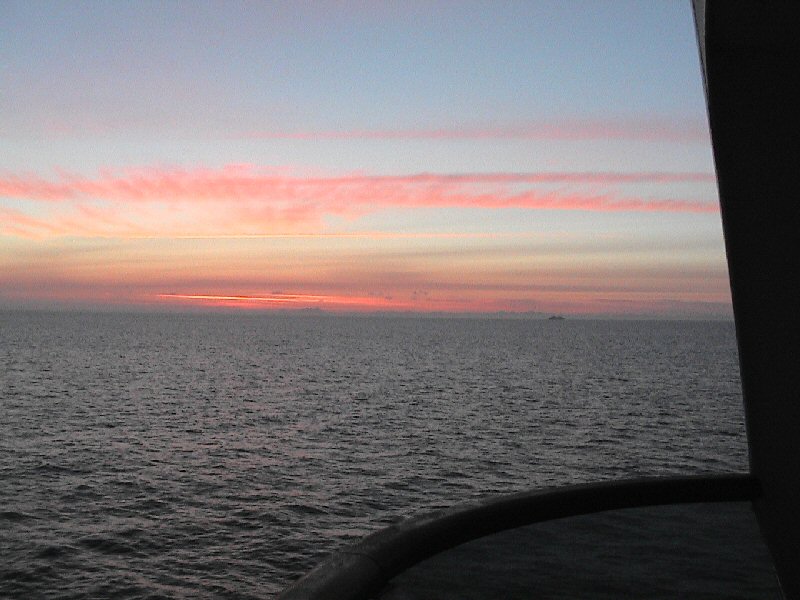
(320,301)
(339,275)
(568,301)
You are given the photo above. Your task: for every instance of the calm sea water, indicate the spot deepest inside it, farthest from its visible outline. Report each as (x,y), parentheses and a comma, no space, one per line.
(190,456)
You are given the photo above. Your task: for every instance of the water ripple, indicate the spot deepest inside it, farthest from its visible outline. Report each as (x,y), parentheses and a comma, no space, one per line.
(147,456)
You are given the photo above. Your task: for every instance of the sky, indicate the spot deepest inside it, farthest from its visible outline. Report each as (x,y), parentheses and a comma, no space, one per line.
(467,157)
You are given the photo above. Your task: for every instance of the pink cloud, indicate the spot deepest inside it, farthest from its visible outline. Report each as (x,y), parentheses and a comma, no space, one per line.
(16,222)
(241,182)
(241,199)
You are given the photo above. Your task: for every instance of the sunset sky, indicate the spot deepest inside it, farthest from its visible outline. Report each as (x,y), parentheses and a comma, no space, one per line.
(357,156)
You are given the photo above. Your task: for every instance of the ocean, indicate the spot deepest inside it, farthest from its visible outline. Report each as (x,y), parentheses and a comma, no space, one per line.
(223,455)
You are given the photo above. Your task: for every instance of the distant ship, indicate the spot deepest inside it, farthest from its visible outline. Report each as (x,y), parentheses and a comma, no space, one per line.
(556,318)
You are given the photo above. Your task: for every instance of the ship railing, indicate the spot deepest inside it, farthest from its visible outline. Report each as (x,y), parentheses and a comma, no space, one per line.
(362,570)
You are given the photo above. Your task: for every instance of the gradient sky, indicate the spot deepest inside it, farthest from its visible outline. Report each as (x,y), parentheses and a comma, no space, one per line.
(428,156)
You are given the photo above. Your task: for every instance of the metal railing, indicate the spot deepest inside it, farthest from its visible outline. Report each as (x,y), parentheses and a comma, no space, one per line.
(362,570)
